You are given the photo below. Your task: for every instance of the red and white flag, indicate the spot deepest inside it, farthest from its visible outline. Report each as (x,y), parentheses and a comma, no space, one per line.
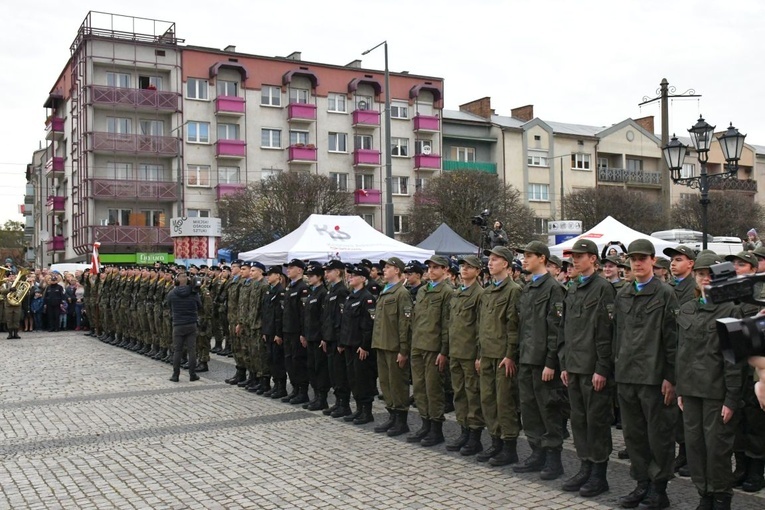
(95,265)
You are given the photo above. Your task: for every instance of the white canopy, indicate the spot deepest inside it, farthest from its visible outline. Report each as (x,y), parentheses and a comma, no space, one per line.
(324,237)
(612,230)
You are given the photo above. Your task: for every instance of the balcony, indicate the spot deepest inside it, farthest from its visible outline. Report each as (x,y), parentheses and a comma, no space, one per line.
(366,118)
(147,191)
(56,205)
(115,235)
(55,244)
(633,177)
(299,154)
(229,105)
(427,124)
(732,184)
(301,112)
(471,166)
(230,149)
(427,162)
(134,144)
(54,128)
(367,197)
(366,158)
(54,167)
(144,99)
(226,190)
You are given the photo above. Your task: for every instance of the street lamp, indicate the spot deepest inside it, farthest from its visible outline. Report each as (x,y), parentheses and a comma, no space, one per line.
(388,209)
(731,144)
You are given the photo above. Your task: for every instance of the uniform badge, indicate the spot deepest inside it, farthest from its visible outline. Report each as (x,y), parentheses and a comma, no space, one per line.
(610,310)
(675,312)
(408,312)
(559,310)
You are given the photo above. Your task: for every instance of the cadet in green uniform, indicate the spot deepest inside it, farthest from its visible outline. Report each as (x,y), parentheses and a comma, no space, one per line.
(430,350)
(498,356)
(463,351)
(611,272)
(391,339)
(204,332)
(242,332)
(645,348)
(587,368)
(232,312)
(709,391)
(258,355)
(541,390)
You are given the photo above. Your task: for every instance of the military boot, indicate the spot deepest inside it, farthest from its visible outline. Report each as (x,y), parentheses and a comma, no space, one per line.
(386,425)
(280,389)
(553,467)
(291,395)
(237,377)
(175,377)
(217,347)
(225,351)
(681,459)
(265,385)
(532,463)
(491,451)
(473,444)
(331,409)
(706,502)
(623,454)
(254,383)
(575,483)
(435,435)
(301,397)
(423,431)
(161,354)
(313,400)
(508,455)
(352,416)
(193,376)
(754,477)
(343,409)
(247,380)
(365,416)
(634,498)
(320,403)
(153,352)
(742,465)
(459,442)
(598,482)
(146,347)
(202,367)
(722,501)
(656,496)
(400,426)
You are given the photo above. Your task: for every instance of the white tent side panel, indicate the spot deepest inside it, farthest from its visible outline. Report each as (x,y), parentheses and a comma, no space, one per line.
(610,230)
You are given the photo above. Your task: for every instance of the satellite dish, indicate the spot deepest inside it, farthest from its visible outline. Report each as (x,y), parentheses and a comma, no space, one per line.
(426,149)
(44,236)
(363,105)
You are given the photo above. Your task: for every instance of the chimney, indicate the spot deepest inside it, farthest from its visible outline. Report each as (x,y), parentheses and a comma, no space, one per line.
(480,107)
(646,123)
(295,55)
(356,63)
(524,113)
(230,48)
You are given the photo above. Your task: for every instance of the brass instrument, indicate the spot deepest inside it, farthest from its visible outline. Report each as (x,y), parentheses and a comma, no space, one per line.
(3,272)
(19,288)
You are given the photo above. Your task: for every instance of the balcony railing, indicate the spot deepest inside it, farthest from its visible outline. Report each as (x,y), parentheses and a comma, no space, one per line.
(54,128)
(734,185)
(225,190)
(115,235)
(301,112)
(367,197)
(135,144)
(473,166)
(230,149)
(623,175)
(302,154)
(427,123)
(427,161)
(366,157)
(56,243)
(54,165)
(117,189)
(366,118)
(229,105)
(134,98)
(55,205)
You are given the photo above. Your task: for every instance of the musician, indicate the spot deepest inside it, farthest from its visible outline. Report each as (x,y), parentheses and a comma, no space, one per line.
(12,310)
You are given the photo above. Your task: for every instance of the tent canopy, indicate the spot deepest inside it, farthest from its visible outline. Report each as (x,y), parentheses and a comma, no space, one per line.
(612,230)
(445,241)
(324,237)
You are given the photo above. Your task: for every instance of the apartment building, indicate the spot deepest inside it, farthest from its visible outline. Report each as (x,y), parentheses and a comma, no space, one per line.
(143,127)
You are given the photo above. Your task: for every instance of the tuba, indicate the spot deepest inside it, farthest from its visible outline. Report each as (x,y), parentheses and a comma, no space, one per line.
(19,289)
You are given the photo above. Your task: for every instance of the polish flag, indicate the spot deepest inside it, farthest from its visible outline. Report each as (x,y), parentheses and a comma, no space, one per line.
(364,192)
(95,265)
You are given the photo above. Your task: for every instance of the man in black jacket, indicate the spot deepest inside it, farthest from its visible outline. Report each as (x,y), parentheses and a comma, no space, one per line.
(53,297)
(295,354)
(271,328)
(184,305)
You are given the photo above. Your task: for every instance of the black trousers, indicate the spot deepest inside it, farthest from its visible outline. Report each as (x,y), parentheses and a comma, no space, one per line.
(184,337)
(295,360)
(362,375)
(275,358)
(54,314)
(318,368)
(338,375)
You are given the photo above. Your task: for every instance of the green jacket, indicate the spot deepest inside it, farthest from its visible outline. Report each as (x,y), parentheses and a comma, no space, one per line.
(232,298)
(255,302)
(685,290)
(645,334)
(498,320)
(463,322)
(430,318)
(538,321)
(586,331)
(393,313)
(243,298)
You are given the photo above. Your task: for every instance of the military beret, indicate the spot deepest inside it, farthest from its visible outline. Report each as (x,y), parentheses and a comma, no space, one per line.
(246,263)
(257,265)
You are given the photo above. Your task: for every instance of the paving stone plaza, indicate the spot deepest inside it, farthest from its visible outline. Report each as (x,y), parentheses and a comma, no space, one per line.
(87,425)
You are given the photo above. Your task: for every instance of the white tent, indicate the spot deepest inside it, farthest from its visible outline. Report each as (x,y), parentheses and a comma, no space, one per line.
(323,237)
(612,230)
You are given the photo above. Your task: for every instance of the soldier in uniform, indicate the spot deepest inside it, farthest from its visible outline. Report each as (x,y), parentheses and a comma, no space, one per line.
(661,270)
(611,272)
(498,355)
(554,266)
(257,348)
(12,311)
(318,367)
(204,332)
(295,355)
(391,339)
(242,332)
(232,316)
(272,329)
(330,330)
(587,366)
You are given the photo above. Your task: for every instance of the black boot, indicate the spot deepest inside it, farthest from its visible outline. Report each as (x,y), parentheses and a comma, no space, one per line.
(247,379)
(386,425)
(254,383)
(681,459)
(423,431)
(175,376)
(532,463)
(459,442)
(401,426)
(365,416)
(321,403)
(153,352)
(16,334)
(343,409)
(185,364)
(473,444)
(656,497)
(265,385)
(435,435)
(161,353)
(742,466)
(706,502)
(193,376)
(754,476)
(494,449)
(623,454)
(575,483)
(238,377)
(553,466)
(598,482)
(508,455)
(301,397)
(291,395)
(722,501)
(146,349)
(634,498)
(331,409)
(217,347)
(313,400)
(353,415)
(202,367)
(280,389)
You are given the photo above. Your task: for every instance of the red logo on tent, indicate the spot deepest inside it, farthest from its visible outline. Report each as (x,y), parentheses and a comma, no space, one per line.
(596,236)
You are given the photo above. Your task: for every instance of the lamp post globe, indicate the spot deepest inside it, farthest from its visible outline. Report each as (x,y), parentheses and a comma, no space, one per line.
(702,134)
(731,144)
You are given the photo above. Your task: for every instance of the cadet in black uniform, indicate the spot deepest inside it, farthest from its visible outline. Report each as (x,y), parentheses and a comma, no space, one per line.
(318,370)
(295,354)
(330,329)
(272,328)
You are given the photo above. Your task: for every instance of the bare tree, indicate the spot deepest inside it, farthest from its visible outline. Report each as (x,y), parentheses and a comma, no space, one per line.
(636,209)
(729,214)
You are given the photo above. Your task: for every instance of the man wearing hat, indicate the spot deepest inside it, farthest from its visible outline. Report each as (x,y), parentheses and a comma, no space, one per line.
(255,349)
(645,348)
(313,309)
(430,350)
(295,354)
(231,295)
(498,348)
(391,339)
(539,383)
(554,266)
(587,367)
(330,331)
(413,273)
(661,269)
(463,351)
(215,323)
(271,329)
(242,332)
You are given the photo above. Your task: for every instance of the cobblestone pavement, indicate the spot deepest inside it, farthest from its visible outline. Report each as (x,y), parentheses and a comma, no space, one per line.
(87,425)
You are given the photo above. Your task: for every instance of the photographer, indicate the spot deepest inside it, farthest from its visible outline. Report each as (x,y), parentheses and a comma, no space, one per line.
(184,304)
(497,236)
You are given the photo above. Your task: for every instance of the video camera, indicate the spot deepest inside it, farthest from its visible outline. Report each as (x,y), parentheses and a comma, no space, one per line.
(481,220)
(739,338)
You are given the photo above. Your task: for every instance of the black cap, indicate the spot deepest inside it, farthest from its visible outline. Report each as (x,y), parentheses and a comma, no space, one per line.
(274,270)
(296,263)
(366,263)
(334,264)
(359,270)
(246,263)
(414,267)
(315,269)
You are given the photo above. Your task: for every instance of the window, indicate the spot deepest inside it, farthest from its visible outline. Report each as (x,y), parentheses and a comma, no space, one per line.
(154,218)
(151,127)
(365,181)
(399,111)
(150,82)
(420,183)
(363,102)
(299,96)
(466,154)
(120,170)
(228,175)
(602,163)
(399,185)
(271,138)
(399,147)
(197,213)
(580,161)
(121,80)
(297,137)
(338,142)
(151,172)
(336,103)
(362,142)
(267,173)
(198,132)
(228,131)
(539,192)
(340,181)
(688,196)
(423,147)
(271,96)
(537,158)
(120,217)
(119,125)
(540,225)
(400,224)
(634,165)
(226,88)
(369,218)
(198,175)
(688,170)
(196,89)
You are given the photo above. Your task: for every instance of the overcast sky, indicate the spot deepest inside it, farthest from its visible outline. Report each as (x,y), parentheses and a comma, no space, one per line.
(585,61)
